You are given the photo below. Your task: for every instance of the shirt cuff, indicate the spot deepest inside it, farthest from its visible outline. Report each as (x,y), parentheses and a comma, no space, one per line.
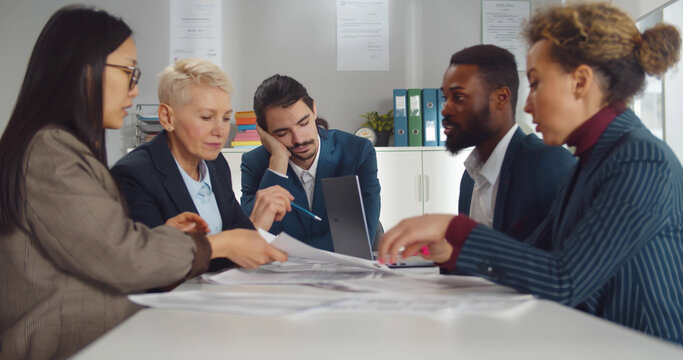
(277,173)
(458,230)
(202,255)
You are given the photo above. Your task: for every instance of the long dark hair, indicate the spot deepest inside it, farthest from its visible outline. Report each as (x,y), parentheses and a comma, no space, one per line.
(281,91)
(62,86)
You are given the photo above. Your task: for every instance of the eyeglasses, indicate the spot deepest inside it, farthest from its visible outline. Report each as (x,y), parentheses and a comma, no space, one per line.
(133,71)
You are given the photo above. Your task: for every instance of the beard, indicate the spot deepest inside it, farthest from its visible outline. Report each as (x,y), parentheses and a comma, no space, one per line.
(305,157)
(476,132)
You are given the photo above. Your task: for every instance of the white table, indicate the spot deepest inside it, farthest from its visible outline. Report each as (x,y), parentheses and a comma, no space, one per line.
(542,330)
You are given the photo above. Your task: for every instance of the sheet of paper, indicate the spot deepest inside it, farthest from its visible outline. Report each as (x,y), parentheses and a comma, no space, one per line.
(410,284)
(295,271)
(228,302)
(195,30)
(363,35)
(442,307)
(502,24)
(296,248)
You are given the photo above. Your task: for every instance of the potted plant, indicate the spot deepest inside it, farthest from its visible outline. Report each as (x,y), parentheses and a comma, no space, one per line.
(382,124)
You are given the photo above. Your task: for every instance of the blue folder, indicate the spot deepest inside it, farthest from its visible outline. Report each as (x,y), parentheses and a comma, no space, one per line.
(430,108)
(400,117)
(439,118)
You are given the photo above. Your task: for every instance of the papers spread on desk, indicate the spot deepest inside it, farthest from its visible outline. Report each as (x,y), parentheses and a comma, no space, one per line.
(294,271)
(310,266)
(229,302)
(297,249)
(268,304)
(306,265)
(360,286)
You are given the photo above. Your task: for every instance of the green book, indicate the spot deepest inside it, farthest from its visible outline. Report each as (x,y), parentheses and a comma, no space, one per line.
(414,117)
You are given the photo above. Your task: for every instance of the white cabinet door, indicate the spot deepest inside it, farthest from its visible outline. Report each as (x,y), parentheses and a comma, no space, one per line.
(234,160)
(400,175)
(442,173)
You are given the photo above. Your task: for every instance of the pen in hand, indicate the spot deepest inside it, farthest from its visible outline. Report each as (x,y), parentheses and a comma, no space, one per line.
(294,205)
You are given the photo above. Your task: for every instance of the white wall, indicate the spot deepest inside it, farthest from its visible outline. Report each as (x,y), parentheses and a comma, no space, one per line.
(639,8)
(263,37)
(21,22)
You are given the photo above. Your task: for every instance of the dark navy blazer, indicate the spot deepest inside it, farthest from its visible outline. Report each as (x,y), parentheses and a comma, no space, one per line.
(612,244)
(340,154)
(155,191)
(530,178)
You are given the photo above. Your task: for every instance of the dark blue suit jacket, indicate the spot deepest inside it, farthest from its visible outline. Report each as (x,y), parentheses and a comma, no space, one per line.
(340,154)
(155,191)
(530,178)
(612,244)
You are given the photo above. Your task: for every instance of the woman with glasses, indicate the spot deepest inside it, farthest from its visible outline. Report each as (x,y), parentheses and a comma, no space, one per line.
(612,244)
(182,169)
(69,254)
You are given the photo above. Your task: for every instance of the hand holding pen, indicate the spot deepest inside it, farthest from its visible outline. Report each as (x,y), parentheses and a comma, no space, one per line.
(270,204)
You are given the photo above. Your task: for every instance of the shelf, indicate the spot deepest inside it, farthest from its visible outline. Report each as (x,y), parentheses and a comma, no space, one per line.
(147,123)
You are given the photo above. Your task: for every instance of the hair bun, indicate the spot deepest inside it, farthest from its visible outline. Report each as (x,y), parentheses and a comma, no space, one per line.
(659,49)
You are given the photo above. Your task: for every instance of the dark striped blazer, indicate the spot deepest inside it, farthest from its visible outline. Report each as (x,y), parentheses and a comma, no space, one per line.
(612,246)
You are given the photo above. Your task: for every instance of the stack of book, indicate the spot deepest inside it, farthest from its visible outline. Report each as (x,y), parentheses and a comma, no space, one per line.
(246,135)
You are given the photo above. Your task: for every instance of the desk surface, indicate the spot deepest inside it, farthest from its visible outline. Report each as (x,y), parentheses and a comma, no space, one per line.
(541,330)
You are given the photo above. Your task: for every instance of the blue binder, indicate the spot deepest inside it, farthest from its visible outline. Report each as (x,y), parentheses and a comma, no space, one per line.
(400,117)
(439,118)
(430,106)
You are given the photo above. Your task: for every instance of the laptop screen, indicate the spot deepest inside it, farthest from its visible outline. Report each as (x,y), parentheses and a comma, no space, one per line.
(346,216)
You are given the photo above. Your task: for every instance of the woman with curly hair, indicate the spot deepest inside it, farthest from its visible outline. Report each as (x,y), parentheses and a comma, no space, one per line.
(612,243)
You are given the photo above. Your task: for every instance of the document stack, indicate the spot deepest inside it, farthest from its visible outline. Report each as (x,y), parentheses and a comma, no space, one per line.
(246,136)
(147,123)
(417,117)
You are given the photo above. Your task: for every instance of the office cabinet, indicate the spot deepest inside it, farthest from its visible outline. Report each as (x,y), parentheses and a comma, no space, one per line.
(418,181)
(400,176)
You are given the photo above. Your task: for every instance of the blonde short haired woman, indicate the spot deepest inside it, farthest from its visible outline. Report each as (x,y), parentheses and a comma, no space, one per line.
(182,168)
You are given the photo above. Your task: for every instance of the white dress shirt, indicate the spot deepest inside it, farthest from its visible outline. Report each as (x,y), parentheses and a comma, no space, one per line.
(486,177)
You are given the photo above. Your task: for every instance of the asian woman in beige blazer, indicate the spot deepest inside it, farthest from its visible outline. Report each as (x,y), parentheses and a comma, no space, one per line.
(69,254)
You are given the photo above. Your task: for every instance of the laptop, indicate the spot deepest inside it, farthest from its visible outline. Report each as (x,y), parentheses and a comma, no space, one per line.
(346,217)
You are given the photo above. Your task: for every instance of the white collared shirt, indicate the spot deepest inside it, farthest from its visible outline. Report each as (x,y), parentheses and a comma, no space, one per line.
(307,177)
(486,178)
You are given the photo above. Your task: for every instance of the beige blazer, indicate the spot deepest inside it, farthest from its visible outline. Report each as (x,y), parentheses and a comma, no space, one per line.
(65,278)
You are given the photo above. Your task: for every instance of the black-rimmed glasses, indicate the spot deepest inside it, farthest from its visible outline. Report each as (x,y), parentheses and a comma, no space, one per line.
(133,71)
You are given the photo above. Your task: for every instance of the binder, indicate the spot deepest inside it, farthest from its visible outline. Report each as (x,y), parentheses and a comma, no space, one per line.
(430,107)
(439,118)
(414,117)
(400,117)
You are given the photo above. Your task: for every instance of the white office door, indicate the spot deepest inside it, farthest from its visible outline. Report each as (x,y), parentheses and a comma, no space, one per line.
(400,175)
(442,174)
(234,160)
